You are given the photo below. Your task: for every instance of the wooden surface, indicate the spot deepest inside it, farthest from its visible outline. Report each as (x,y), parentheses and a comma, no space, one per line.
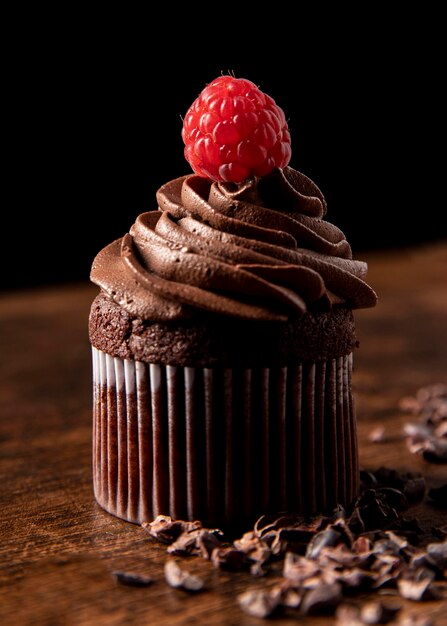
(58,548)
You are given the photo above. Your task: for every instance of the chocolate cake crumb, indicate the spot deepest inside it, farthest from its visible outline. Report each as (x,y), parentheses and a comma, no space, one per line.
(210,340)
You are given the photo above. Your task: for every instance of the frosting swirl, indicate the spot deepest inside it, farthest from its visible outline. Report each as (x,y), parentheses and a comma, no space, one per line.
(257,250)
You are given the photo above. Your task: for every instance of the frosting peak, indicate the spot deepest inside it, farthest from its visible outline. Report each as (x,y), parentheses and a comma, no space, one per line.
(256,250)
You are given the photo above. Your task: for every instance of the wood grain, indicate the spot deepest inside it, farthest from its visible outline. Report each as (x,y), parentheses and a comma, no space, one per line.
(58,548)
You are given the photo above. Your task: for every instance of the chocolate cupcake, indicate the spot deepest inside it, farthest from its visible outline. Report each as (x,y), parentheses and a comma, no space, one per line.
(223,334)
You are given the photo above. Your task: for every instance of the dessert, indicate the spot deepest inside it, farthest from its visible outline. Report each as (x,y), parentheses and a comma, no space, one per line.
(223,333)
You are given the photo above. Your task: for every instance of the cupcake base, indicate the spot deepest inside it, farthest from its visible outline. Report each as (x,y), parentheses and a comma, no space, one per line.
(221,445)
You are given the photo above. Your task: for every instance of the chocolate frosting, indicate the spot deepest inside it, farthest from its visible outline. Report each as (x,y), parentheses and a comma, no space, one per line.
(257,250)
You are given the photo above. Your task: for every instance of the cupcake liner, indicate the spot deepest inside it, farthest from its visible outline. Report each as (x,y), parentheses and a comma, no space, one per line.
(222,445)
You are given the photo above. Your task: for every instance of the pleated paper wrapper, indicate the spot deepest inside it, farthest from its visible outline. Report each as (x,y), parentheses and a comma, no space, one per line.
(220,445)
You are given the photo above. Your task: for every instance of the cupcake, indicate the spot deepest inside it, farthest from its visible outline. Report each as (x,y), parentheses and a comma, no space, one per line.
(223,334)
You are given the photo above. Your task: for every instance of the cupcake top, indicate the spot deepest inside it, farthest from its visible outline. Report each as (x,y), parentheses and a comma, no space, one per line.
(244,236)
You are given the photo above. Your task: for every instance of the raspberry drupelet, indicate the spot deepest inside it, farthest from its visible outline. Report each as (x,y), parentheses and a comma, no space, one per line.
(233,131)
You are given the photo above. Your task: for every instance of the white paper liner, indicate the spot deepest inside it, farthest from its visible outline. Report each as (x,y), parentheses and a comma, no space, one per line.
(220,445)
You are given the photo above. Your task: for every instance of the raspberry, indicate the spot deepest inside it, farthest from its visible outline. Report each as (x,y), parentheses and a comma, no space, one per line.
(233,131)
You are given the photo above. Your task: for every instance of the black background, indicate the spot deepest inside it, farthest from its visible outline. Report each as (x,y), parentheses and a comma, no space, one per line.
(96,103)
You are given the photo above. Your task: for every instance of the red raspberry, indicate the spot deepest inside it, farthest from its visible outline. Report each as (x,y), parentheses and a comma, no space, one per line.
(233,131)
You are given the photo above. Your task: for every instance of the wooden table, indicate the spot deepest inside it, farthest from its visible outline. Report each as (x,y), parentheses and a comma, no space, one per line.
(58,548)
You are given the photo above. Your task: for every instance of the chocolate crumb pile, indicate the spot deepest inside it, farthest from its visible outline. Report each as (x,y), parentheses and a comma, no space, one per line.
(428,435)
(317,565)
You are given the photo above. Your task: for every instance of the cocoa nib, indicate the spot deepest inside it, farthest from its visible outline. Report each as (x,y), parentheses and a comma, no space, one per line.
(230,558)
(199,542)
(180,578)
(438,496)
(437,553)
(411,485)
(259,602)
(317,563)
(165,529)
(416,589)
(325,538)
(322,599)
(369,613)
(378,613)
(427,436)
(132,579)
